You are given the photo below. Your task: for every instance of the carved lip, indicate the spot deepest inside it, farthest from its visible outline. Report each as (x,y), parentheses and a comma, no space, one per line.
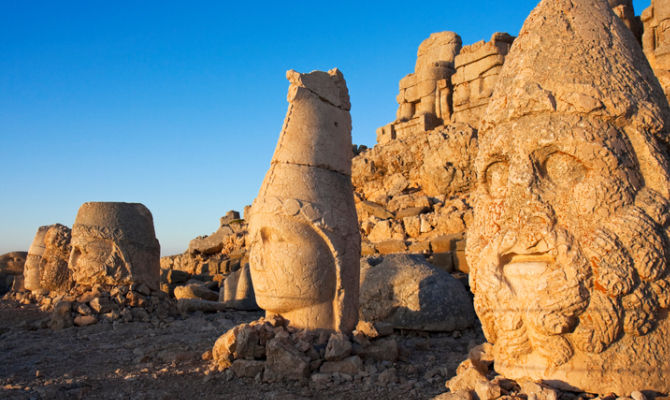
(514,258)
(526,265)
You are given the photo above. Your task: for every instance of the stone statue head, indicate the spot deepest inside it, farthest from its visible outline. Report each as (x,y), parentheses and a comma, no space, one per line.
(569,245)
(114,244)
(304,244)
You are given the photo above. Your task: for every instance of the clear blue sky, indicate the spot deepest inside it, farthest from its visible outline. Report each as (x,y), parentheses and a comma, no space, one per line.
(178,105)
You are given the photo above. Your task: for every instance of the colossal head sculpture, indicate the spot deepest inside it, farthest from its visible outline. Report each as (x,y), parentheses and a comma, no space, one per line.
(31,270)
(303,230)
(114,244)
(569,246)
(54,270)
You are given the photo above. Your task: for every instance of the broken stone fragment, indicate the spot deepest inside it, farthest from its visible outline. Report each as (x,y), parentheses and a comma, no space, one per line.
(85,320)
(350,366)
(195,291)
(284,361)
(193,305)
(247,368)
(338,347)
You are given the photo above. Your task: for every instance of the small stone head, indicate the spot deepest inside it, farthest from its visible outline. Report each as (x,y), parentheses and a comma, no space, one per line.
(114,243)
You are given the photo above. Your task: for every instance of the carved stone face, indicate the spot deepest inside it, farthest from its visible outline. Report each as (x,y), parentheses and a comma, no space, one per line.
(291,265)
(560,248)
(92,257)
(114,243)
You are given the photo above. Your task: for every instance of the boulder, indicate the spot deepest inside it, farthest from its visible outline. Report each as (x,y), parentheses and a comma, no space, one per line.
(237,292)
(195,291)
(409,293)
(284,361)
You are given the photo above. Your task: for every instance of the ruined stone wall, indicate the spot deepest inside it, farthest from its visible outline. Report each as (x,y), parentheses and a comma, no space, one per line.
(656,41)
(477,68)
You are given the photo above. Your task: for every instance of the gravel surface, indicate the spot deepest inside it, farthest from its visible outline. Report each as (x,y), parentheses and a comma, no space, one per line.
(163,360)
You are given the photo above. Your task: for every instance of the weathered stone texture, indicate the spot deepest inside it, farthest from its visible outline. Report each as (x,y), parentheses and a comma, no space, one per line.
(414,189)
(425,95)
(31,271)
(656,41)
(54,270)
(408,293)
(477,68)
(624,10)
(304,241)
(568,249)
(113,244)
(237,291)
(11,266)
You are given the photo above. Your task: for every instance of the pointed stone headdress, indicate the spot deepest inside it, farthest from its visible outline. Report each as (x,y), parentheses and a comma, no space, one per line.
(303,232)
(577,57)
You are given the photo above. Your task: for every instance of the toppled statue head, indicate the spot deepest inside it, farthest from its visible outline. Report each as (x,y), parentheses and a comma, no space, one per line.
(114,244)
(303,230)
(569,247)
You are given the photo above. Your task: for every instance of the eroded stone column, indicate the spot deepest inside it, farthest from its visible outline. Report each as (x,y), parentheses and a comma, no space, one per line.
(568,250)
(303,230)
(114,244)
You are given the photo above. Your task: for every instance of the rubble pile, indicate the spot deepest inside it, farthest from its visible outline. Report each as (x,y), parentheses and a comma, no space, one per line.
(270,350)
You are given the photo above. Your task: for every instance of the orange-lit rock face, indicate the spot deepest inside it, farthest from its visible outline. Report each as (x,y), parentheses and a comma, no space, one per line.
(292,266)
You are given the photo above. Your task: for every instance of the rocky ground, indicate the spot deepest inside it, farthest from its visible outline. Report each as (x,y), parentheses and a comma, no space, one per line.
(163,360)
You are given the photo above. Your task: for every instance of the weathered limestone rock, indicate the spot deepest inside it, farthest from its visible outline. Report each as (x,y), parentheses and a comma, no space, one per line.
(208,257)
(624,10)
(195,291)
(31,271)
(193,305)
(411,190)
(656,41)
(407,292)
(477,68)
(54,271)
(425,95)
(568,250)
(303,231)
(237,291)
(284,361)
(113,244)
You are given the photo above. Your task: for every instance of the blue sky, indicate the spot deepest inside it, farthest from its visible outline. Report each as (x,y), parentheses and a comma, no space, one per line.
(178,105)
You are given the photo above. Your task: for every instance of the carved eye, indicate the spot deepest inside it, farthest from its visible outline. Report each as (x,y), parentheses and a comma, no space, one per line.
(496,178)
(564,170)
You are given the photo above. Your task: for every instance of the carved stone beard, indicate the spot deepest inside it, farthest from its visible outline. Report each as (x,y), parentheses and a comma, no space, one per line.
(610,281)
(517,315)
